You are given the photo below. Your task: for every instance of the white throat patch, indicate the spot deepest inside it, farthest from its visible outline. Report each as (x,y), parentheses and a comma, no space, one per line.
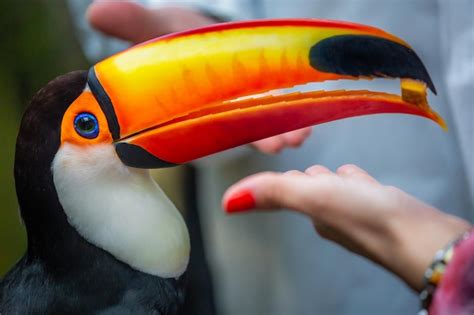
(121,210)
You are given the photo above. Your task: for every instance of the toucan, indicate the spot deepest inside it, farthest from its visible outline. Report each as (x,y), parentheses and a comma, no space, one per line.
(102,236)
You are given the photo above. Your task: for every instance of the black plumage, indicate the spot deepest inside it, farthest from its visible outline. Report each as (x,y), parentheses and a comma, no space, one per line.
(62,273)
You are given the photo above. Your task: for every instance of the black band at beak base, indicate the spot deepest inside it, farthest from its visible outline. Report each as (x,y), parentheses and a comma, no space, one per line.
(105,103)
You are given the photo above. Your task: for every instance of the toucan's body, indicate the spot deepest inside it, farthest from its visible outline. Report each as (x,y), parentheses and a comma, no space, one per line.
(61,272)
(107,286)
(102,236)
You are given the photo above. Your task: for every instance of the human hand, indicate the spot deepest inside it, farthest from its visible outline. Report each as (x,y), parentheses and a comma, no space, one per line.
(352,209)
(275,144)
(134,23)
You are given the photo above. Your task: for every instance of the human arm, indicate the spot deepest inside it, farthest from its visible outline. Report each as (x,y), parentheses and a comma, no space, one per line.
(352,209)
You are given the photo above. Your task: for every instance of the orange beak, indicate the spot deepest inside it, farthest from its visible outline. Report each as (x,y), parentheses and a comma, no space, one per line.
(179,97)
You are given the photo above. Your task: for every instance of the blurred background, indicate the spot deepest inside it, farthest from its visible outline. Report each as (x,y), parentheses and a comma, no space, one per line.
(275,264)
(38,43)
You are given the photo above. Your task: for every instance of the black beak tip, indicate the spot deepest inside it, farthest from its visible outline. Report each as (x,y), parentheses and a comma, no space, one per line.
(431,86)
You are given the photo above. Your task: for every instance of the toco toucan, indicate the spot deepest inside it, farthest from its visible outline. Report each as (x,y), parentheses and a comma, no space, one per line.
(102,237)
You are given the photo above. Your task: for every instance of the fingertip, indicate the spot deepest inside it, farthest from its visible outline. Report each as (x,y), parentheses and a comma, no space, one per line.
(123,19)
(97,12)
(269,191)
(353,171)
(239,201)
(242,195)
(317,170)
(93,14)
(293,141)
(271,145)
(294,173)
(296,138)
(307,131)
(348,169)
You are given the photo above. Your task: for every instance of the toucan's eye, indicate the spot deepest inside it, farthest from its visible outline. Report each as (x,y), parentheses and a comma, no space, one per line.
(86,125)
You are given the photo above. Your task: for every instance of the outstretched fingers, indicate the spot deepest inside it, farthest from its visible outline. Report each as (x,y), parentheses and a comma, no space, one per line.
(268,191)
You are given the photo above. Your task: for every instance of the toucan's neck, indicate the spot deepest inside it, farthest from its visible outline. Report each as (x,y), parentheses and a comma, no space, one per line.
(37,143)
(84,203)
(120,209)
(50,237)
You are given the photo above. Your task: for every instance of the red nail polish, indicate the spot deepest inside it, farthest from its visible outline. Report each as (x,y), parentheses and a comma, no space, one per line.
(240,202)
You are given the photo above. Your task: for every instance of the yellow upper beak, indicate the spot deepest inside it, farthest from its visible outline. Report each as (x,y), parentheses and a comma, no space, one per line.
(176,98)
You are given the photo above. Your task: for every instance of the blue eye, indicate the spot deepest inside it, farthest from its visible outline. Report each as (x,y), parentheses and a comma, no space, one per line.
(86,125)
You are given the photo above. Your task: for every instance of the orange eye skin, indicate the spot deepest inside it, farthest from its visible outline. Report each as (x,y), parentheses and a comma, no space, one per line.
(85,103)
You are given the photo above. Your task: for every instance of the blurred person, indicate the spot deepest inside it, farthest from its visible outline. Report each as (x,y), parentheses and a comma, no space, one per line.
(275,264)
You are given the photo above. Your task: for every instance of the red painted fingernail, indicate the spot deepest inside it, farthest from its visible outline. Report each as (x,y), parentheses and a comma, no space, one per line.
(240,202)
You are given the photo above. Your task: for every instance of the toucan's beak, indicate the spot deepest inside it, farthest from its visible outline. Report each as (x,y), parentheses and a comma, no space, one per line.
(179,97)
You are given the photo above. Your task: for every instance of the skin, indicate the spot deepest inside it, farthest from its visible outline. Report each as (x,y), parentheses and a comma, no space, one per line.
(379,222)
(134,23)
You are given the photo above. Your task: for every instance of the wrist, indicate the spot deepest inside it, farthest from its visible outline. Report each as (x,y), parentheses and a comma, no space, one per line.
(416,241)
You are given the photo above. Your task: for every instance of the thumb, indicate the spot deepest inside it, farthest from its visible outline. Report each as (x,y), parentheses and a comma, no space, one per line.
(268,191)
(125,20)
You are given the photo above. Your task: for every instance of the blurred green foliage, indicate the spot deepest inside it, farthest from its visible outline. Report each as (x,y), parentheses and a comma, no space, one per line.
(37,44)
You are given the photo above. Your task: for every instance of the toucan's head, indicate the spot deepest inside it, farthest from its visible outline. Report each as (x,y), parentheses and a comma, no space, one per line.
(181,97)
